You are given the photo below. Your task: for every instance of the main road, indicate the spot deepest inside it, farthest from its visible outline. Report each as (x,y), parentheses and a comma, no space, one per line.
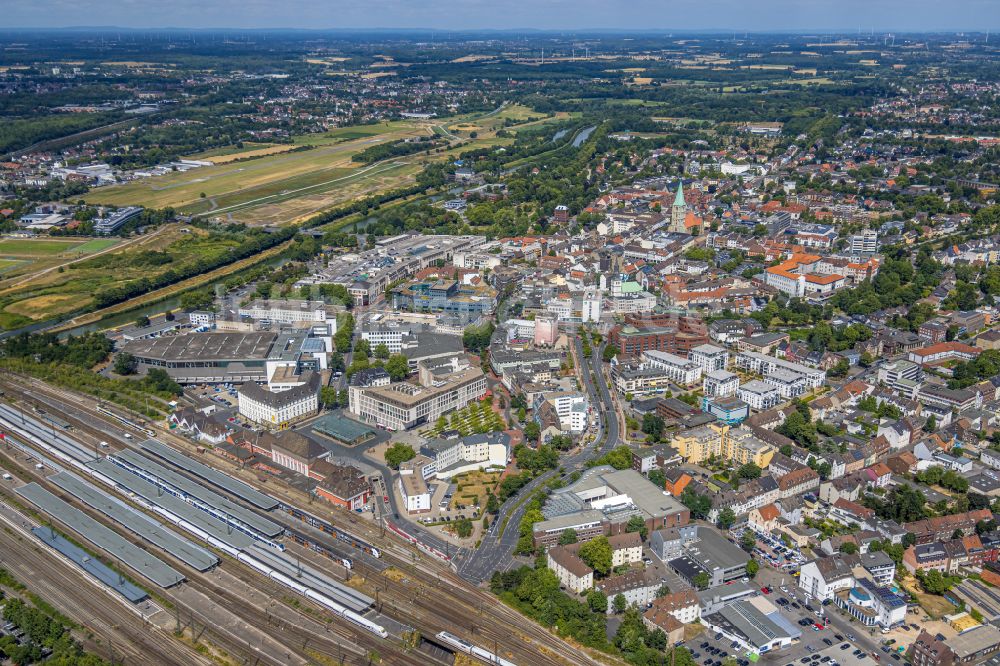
(496,550)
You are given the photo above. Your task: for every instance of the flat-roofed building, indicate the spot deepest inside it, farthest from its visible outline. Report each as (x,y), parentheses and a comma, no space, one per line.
(444,386)
(677,368)
(710,358)
(720,383)
(290,311)
(761,396)
(206,357)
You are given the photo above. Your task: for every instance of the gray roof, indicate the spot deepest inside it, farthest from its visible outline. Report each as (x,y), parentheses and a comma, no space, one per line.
(713,551)
(758,628)
(146,565)
(975,640)
(210,474)
(147,528)
(94,567)
(149,493)
(279,399)
(198,492)
(204,346)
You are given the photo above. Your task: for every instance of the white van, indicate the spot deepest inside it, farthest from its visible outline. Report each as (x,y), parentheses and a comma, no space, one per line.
(7,477)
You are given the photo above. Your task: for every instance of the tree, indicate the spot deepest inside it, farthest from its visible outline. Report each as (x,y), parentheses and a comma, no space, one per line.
(597,601)
(663,591)
(701,581)
(653,426)
(463,528)
(658,478)
(398,367)
(399,453)
(748,541)
(931,424)
(329,397)
(598,555)
(698,505)
(125,363)
(749,471)
(620,603)
(726,518)
(381,351)
(141,321)
(532,432)
(637,524)
(849,548)
(609,353)
(567,537)
(752,568)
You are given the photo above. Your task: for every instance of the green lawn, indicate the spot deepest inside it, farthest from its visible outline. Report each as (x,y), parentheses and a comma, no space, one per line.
(95,245)
(34,247)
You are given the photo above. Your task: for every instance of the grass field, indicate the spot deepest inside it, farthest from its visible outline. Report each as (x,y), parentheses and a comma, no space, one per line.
(240,187)
(472,488)
(50,292)
(95,245)
(288,187)
(7,264)
(31,247)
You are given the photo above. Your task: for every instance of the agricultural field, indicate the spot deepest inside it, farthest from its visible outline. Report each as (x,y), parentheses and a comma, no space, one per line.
(50,286)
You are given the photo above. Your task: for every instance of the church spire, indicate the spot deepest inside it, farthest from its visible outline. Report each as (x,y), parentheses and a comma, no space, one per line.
(679,199)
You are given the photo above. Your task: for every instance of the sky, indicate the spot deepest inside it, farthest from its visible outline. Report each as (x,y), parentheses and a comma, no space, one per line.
(666,15)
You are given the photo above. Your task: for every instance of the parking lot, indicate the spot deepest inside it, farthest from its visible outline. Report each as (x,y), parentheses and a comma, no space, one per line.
(772,551)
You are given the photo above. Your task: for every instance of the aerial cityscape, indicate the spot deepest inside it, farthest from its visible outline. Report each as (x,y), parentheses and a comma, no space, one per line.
(441,340)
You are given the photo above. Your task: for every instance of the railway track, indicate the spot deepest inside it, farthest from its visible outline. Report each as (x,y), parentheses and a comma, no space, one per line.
(291,621)
(454,605)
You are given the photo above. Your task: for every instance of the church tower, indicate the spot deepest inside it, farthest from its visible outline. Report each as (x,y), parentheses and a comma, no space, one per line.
(678,211)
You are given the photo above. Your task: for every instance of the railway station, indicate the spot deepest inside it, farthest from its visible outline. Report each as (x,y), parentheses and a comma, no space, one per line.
(146,565)
(150,530)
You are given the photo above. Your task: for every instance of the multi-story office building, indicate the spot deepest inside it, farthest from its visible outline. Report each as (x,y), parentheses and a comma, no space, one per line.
(278,409)
(442,386)
(767,365)
(286,311)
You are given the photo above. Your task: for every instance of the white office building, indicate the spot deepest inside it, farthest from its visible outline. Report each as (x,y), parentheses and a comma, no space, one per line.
(864,243)
(283,311)
(766,365)
(277,409)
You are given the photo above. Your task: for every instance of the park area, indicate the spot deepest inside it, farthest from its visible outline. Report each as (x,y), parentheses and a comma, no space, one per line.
(473,488)
(54,277)
(477,417)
